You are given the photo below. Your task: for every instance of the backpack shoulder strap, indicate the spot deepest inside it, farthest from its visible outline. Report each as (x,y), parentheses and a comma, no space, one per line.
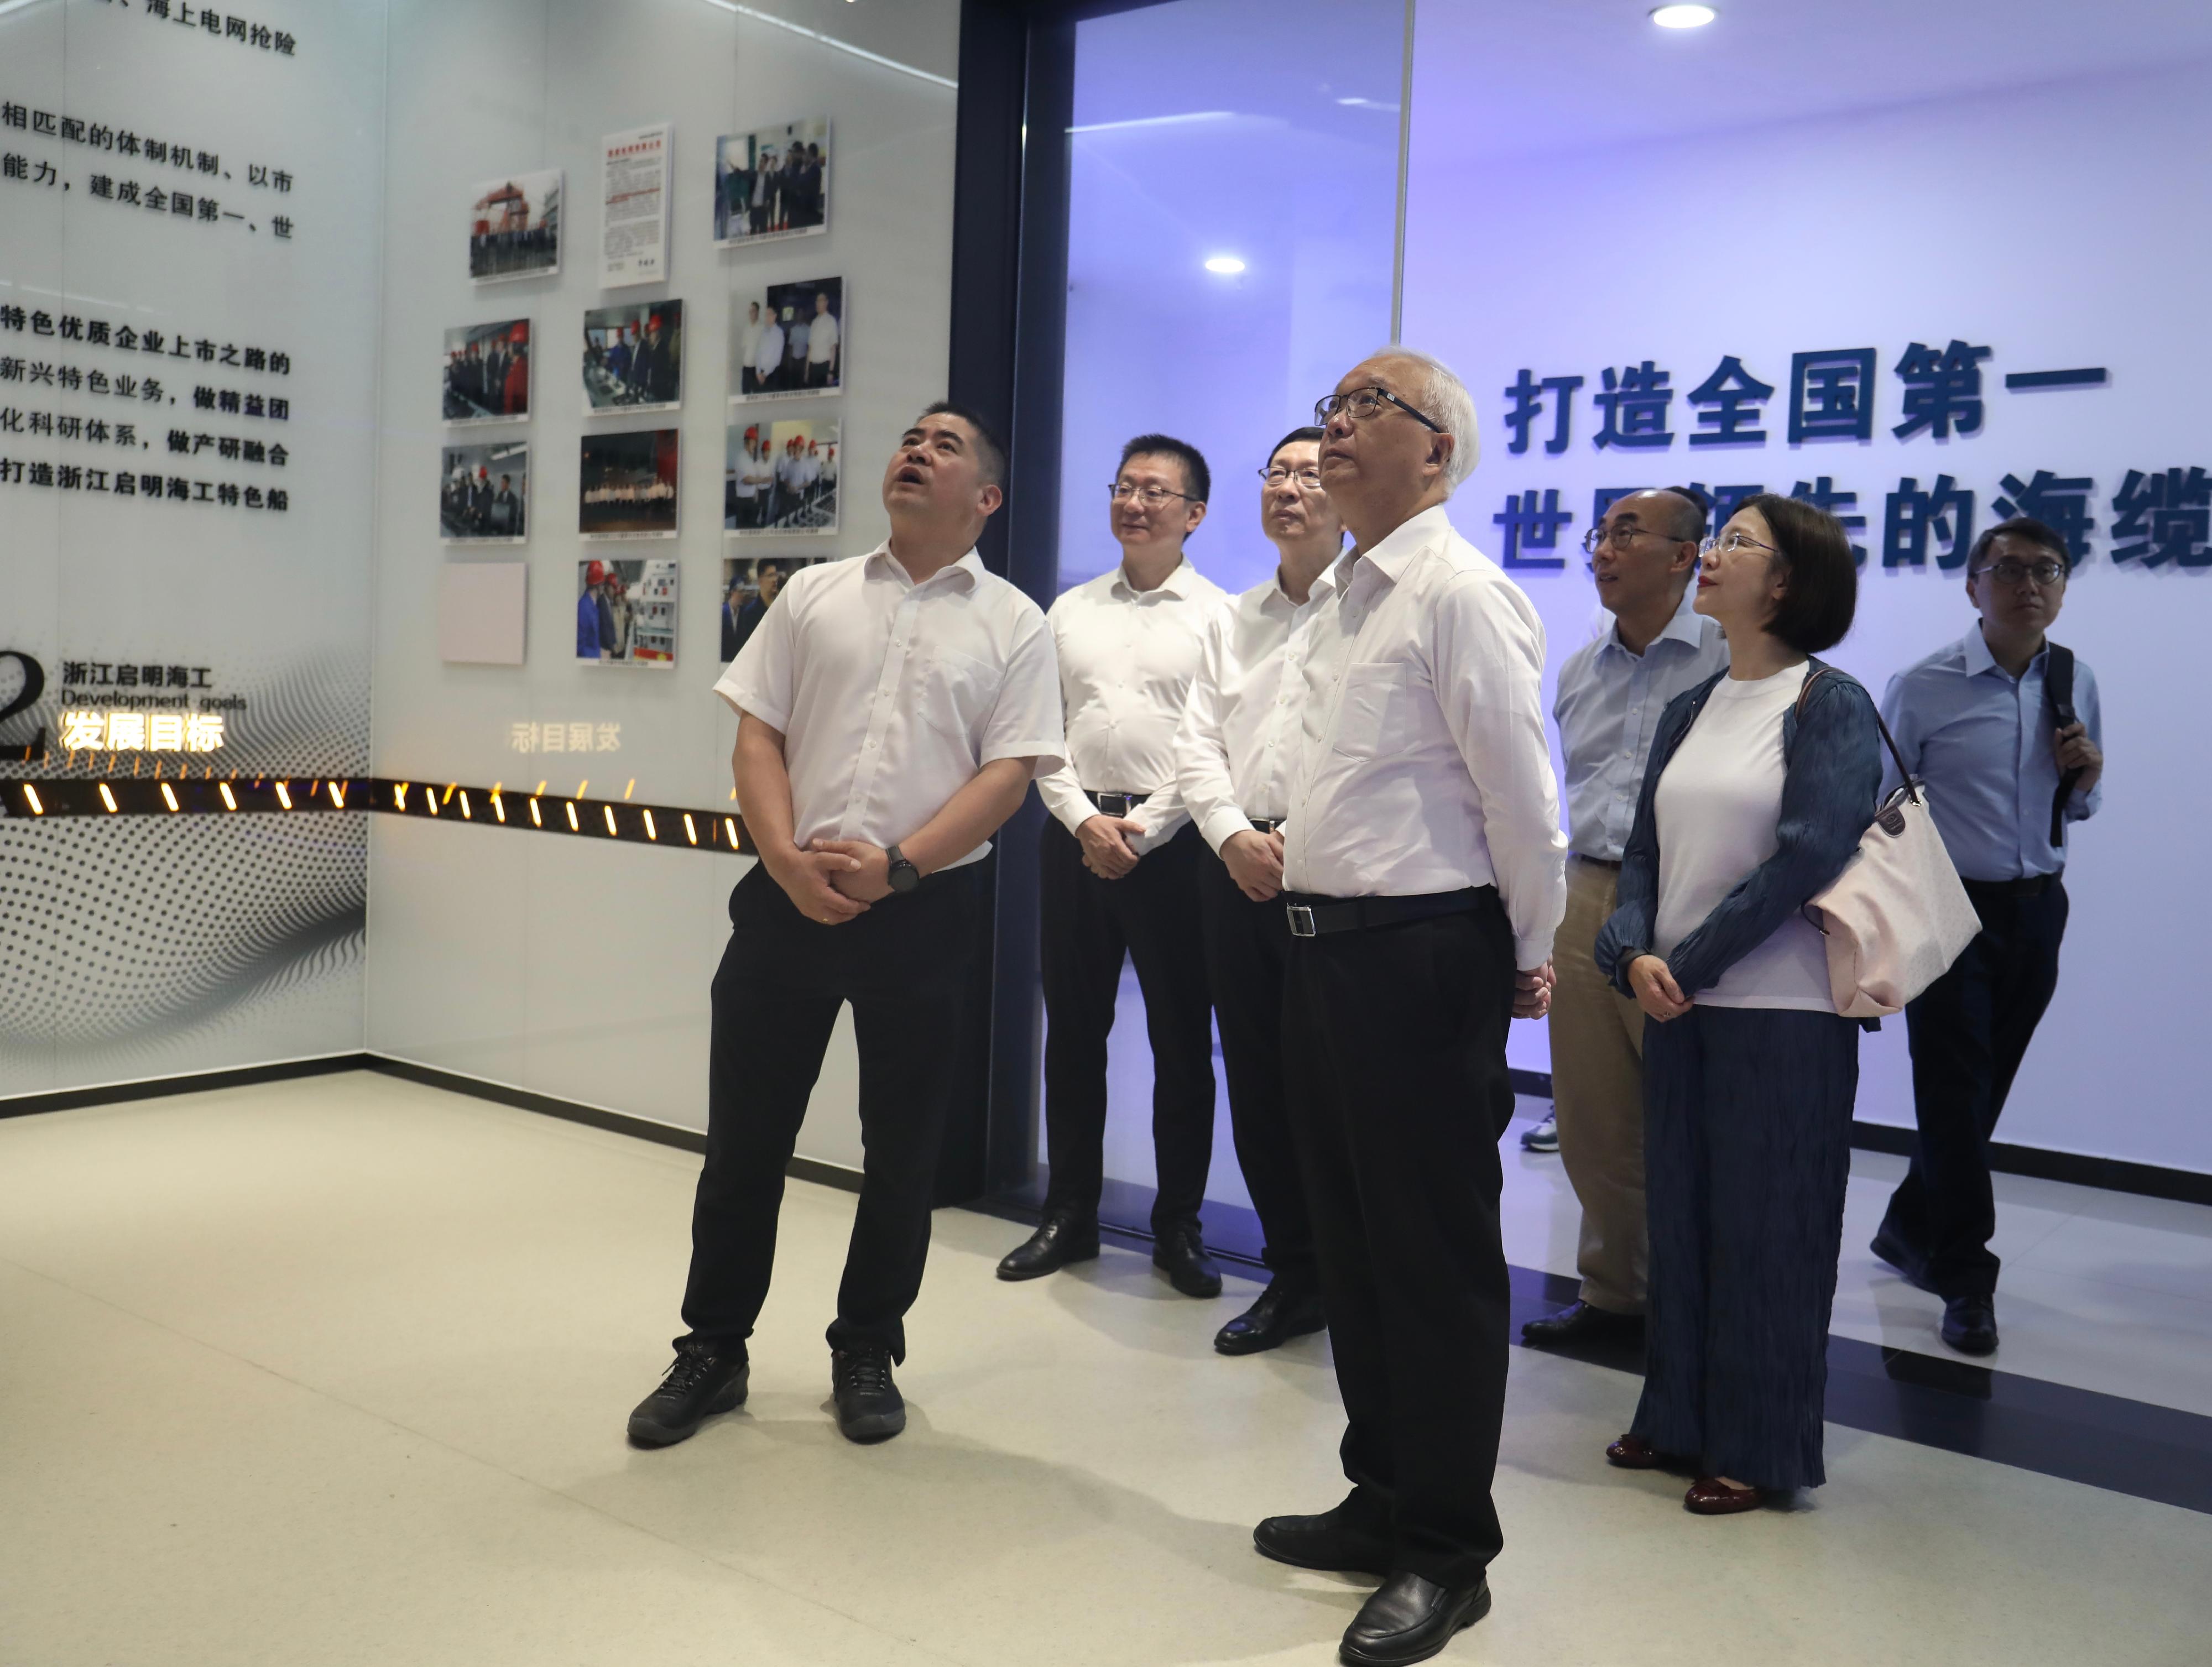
(2058,680)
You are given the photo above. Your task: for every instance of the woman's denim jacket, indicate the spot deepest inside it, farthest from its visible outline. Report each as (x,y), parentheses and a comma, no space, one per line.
(1832,761)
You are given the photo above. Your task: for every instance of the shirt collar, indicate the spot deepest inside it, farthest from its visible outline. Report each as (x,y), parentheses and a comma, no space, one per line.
(1178,584)
(1407,540)
(969,566)
(1974,653)
(1682,626)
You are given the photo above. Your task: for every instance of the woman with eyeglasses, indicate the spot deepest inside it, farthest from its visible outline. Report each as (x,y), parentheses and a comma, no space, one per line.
(1761,781)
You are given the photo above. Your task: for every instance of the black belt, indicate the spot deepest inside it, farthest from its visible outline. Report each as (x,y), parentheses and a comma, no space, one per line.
(1118,804)
(1317,917)
(1266,824)
(1597,862)
(2033,885)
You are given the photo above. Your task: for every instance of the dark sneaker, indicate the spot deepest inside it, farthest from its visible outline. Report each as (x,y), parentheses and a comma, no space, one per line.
(869,1406)
(703,1382)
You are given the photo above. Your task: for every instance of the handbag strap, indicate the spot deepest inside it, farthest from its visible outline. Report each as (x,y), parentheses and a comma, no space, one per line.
(2058,688)
(1819,671)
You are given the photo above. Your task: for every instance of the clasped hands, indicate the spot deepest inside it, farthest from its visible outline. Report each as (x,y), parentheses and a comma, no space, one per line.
(1107,852)
(1654,989)
(833,881)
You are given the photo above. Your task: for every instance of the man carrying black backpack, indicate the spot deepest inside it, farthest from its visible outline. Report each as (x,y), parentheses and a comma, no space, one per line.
(2005,727)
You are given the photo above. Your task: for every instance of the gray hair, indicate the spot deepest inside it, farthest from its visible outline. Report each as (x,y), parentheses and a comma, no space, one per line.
(1444,399)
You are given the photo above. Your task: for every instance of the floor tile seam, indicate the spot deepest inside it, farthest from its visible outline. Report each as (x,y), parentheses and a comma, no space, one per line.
(638,1148)
(478,1461)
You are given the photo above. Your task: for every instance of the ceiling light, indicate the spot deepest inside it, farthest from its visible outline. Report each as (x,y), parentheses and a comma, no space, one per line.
(1228,265)
(1682,17)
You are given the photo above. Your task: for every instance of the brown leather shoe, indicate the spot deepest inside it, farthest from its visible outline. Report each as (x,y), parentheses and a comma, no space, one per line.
(1708,1497)
(1632,1453)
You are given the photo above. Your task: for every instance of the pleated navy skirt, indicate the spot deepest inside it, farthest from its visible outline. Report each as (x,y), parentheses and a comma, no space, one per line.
(1748,1126)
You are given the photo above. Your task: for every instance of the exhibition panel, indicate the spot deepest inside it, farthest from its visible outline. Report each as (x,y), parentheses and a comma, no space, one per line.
(189,269)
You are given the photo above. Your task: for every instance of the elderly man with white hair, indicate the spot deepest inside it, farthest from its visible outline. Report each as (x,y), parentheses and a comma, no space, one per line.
(1423,872)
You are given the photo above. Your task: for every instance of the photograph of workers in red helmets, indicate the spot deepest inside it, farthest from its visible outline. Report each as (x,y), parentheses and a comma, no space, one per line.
(483,494)
(626,612)
(487,378)
(633,358)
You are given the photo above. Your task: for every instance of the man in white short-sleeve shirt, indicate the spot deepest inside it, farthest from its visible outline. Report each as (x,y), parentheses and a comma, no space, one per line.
(892,710)
(822,345)
(1422,877)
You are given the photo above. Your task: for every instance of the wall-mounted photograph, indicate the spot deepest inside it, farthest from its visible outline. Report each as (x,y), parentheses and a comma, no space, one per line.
(772,183)
(626,612)
(633,358)
(483,494)
(788,339)
(626,485)
(514,228)
(780,475)
(487,371)
(749,585)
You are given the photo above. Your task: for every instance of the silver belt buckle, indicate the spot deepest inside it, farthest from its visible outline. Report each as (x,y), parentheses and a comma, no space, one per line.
(1301,919)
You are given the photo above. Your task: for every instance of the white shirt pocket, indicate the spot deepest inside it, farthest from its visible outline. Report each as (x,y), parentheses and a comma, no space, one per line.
(957,694)
(1371,716)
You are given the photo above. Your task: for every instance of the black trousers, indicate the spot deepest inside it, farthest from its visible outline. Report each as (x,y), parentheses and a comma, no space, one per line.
(1394,1066)
(1151,915)
(1248,949)
(1970,1030)
(904,967)
(1746,1152)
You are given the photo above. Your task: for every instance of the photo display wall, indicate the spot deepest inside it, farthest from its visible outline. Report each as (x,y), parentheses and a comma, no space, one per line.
(789,341)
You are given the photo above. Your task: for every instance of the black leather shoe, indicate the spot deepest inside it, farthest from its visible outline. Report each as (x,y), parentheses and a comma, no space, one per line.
(869,1406)
(1321,1542)
(703,1382)
(1579,1322)
(1280,1314)
(1061,1238)
(1409,1619)
(1899,1255)
(1970,1324)
(1179,1253)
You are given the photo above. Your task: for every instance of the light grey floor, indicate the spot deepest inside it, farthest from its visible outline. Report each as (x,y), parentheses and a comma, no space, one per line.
(334,1372)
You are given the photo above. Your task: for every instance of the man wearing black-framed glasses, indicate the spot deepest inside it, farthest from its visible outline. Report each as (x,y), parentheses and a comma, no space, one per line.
(2005,727)
(1118,874)
(1422,883)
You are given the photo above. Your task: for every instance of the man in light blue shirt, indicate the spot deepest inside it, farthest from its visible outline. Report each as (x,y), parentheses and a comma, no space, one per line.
(1643,555)
(1978,722)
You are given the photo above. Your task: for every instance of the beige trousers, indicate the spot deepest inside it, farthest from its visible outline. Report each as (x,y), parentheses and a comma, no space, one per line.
(1597,1089)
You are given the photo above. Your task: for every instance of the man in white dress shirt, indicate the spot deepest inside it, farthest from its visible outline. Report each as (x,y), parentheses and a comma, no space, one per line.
(767,356)
(821,344)
(892,711)
(1118,872)
(1643,553)
(1233,755)
(1422,878)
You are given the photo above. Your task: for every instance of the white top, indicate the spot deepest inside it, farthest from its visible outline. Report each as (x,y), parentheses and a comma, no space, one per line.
(892,695)
(822,339)
(1127,658)
(1422,763)
(1607,707)
(1717,804)
(767,351)
(1240,726)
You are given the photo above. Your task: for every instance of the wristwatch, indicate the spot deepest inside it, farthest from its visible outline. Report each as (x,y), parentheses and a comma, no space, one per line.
(903,875)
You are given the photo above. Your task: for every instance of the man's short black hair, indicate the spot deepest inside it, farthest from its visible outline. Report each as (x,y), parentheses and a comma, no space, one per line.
(1195,474)
(1308,433)
(991,449)
(1698,509)
(1819,571)
(2028,530)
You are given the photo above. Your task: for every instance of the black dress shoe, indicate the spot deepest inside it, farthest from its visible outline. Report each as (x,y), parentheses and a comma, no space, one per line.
(703,1382)
(1407,1618)
(1970,1324)
(869,1406)
(1322,1542)
(1899,1255)
(1579,1322)
(1179,1254)
(1282,1312)
(1061,1238)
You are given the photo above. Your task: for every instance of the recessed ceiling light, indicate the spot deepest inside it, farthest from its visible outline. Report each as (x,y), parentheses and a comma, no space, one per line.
(1682,17)
(1227,265)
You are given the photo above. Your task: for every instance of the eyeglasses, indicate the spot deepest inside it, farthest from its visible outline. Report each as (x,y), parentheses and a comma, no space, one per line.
(1151,497)
(1621,536)
(1362,403)
(1307,479)
(2009,571)
(1729,543)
